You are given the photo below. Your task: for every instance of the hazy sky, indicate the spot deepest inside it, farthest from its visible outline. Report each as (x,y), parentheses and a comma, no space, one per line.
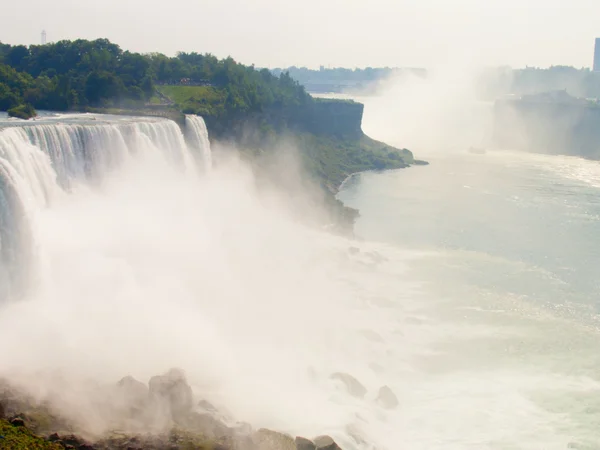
(350,33)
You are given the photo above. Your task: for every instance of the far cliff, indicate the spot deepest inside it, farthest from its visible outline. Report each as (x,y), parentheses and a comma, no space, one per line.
(552,122)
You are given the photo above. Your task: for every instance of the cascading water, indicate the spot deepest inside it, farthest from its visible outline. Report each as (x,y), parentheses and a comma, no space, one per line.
(197,138)
(39,161)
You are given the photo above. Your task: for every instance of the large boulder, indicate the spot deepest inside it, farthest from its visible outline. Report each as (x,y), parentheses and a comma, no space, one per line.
(171,391)
(354,387)
(271,440)
(131,392)
(325,443)
(387,398)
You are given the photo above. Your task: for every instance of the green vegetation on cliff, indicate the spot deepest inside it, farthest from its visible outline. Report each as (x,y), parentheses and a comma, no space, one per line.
(254,109)
(74,75)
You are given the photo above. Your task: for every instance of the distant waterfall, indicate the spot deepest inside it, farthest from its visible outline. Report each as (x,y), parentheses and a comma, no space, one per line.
(197,137)
(40,160)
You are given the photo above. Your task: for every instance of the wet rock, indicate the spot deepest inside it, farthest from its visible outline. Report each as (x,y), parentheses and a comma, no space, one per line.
(54,437)
(355,388)
(2,411)
(305,444)
(73,440)
(271,440)
(17,422)
(387,398)
(325,443)
(173,391)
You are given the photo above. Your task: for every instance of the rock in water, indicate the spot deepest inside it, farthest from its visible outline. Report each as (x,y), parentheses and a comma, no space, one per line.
(305,444)
(387,398)
(271,440)
(355,388)
(325,443)
(173,391)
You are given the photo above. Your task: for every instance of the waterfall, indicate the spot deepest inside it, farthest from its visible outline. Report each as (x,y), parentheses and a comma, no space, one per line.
(41,160)
(197,137)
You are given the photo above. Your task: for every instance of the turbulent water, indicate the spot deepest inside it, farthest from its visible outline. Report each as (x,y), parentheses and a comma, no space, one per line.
(501,340)
(472,293)
(41,161)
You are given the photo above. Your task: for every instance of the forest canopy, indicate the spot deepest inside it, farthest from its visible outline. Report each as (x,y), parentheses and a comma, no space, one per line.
(74,75)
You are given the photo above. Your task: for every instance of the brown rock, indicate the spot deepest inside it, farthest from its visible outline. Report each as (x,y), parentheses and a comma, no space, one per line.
(54,437)
(17,422)
(325,443)
(304,444)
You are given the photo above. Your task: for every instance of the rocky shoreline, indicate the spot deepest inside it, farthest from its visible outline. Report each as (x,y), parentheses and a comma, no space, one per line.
(161,415)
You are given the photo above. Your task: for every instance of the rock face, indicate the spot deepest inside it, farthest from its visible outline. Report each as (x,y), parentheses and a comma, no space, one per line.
(336,117)
(355,387)
(325,443)
(172,391)
(387,398)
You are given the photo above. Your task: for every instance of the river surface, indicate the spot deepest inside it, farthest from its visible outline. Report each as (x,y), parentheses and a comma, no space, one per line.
(504,344)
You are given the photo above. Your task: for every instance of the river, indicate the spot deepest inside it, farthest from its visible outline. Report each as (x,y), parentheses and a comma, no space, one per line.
(504,348)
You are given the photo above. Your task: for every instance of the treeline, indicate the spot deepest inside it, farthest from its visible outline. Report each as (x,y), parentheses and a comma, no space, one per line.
(343,75)
(74,75)
(581,83)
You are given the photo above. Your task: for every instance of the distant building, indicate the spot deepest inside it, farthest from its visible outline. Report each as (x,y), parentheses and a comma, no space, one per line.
(597,56)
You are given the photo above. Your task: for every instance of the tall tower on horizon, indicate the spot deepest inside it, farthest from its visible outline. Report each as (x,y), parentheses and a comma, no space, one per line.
(597,56)
(44,38)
